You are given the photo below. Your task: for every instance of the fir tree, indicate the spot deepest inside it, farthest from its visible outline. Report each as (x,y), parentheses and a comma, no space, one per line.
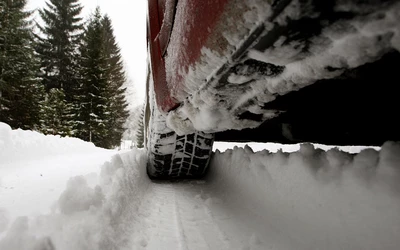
(55,114)
(134,126)
(115,92)
(57,44)
(93,99)
(20,91)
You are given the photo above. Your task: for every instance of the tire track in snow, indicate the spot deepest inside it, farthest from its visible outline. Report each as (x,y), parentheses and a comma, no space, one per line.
(202,228)
(174,216)
(182,236)
(223,236)
(158,226)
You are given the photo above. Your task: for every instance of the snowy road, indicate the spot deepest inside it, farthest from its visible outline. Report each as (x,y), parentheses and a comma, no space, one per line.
(184,216)
(68,194)
(176,217)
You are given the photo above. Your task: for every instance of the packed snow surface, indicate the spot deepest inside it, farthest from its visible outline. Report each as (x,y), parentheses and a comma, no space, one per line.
(280,197)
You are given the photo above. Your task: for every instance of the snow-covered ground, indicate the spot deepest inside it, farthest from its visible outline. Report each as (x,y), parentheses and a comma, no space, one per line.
(63,193)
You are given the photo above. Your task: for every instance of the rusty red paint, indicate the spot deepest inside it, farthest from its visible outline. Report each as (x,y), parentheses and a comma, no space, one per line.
(204,15)
(163,96)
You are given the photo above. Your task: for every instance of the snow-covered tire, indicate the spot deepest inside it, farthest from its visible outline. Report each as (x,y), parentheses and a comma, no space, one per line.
(171,156)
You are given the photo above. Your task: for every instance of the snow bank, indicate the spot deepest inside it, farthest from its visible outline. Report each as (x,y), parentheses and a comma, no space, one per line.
(289,148)
(4,220)
(86,217)
(312,199)
(79,196)
(17,145)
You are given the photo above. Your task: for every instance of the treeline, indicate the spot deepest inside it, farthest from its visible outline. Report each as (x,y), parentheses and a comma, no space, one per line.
(61,75)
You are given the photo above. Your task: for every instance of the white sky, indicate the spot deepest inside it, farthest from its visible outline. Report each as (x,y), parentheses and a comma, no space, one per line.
(129,22)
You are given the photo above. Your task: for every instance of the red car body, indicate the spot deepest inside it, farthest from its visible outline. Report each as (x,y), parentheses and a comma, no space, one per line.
(190,50)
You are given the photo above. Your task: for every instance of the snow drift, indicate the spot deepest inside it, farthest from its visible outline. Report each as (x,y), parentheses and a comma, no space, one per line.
(314,199)
(33,145)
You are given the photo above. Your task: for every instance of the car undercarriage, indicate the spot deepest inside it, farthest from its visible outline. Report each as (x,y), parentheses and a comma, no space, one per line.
(359,107)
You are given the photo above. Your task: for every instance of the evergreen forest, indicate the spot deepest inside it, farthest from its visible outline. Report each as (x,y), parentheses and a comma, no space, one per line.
(62,75)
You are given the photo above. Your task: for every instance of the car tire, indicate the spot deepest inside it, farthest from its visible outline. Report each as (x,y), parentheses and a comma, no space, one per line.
(171,156)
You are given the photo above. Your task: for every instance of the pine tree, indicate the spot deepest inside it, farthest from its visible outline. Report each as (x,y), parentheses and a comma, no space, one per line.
(115,91)
(134,126)
(57,46)
(20,91)
(54,114)
(93,99)
(58,43)
(130,125)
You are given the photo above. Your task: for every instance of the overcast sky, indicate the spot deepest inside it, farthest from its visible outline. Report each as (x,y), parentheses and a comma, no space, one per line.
(129,22)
